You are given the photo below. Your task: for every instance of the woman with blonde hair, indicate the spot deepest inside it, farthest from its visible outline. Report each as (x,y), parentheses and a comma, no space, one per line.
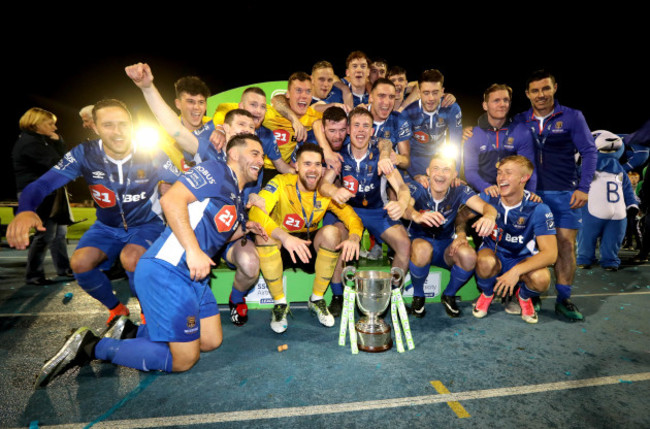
(38,149)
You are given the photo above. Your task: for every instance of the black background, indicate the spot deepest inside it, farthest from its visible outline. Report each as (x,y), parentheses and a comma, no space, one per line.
(62,57)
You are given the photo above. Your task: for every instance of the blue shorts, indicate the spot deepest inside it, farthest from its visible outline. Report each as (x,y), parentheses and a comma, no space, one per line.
(439,248)
(376,221)
(172,303)
(507,262)
(559,203)
(111,240)
(330,218)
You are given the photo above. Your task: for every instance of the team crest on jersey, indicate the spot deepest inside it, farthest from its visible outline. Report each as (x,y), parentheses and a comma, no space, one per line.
(225,219)
(282,137)
(318,205)
(104,197)
(421,137)
(191,322)
(521,223)
(293,222)
(510,141)
(386,134)
(441,122)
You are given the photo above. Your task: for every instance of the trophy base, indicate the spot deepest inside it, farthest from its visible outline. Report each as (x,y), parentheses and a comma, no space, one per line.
(374,342)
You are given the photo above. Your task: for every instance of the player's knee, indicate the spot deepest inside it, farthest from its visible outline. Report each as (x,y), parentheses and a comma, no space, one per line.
(421,252)
(248,263)
(130,256)
(209,344)
(538,280)
(184,361)
(486,266)
(466,257)
(81,263)
(331,236)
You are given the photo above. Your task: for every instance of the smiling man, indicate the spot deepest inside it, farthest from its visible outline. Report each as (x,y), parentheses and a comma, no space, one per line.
(293,210)
(558,133)
(437,238)
(123,181)
(290,114)
(432,125)
(204,210)
(494,138)
(522,245)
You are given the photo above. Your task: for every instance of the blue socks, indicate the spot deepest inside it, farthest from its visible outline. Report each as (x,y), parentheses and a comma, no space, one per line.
(486,285)
(526,293)
(98,286)
(457,278)
(138,353)
(337,288)
(418,277)
(236,296)
(130,275)
(563,292)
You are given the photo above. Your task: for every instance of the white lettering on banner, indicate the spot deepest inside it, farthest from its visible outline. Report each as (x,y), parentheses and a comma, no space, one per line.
(431,285)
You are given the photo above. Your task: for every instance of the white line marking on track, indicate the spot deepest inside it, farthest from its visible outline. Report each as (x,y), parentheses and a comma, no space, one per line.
(276,413)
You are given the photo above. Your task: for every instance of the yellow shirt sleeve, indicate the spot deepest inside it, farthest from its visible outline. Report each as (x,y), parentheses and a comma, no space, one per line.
(348,216)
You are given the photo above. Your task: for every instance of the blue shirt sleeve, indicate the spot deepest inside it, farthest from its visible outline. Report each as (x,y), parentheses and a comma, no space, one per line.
(471,152)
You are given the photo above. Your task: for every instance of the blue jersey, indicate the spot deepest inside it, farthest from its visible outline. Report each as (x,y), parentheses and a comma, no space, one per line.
(488,145)
(358,98)
(557,139)
(206,151)
(395,128)
(429,132)
(128,186)
(214,217)
(334,96)
(361,178)
(448,207)
(516,227)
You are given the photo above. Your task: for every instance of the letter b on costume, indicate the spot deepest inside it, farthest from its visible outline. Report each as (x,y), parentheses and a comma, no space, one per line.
(612,192)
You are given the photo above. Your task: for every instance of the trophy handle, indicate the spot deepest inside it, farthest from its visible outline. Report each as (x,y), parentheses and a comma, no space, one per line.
(348,273)
(398,277)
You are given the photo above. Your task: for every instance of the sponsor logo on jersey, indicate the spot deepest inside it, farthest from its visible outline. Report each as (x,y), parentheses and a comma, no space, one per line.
(195,179)
(351,184)
(483,147)
(98,175)
(133,198)
(271,187)
(282,137)
(550,224)
(421,137)
(169,165)
(65,161)
(226,218)
(514,238)
(293,222)
(103,196)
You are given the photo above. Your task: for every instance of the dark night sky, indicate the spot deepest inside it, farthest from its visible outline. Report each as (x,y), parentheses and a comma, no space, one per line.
(61,64)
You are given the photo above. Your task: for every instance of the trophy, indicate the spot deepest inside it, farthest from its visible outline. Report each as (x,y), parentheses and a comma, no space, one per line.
(373,291)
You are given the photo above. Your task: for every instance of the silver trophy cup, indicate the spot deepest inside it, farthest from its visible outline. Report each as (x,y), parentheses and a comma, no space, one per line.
(373,290)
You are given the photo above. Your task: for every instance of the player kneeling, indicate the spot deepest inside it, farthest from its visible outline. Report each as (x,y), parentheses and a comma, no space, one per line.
(522,245)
